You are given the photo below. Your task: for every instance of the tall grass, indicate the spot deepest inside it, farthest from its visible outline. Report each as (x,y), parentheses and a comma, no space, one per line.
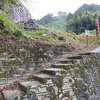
(9,26)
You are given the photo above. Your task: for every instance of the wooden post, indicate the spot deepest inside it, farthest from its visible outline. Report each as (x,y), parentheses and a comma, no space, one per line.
(96,32)
(87,40)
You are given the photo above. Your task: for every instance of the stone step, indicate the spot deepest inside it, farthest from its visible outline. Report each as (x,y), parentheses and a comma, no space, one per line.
(42,78)
(3,54)
(87,53)
(75,57)
(65,61)
(64,66)
(21,69)
(45,76)
(7,59)
(32,84)
(22,50)
(42,89)
(16,75)
(53,71)
(10,94)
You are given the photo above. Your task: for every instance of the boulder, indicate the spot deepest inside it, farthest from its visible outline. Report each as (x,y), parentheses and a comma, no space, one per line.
(21,15)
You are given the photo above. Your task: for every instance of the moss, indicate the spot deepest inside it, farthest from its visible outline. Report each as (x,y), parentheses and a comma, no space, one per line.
(77,86)
(49,72)
(67,94)
(7,26)
(22,88)
(63,72)
(61,38)
(41,80)
(81,71)
(68,67)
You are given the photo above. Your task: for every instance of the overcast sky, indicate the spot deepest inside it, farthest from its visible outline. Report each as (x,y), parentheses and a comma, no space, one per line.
(39,8)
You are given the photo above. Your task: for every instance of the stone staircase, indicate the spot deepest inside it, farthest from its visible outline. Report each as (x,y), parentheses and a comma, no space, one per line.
(37,86)
(40,81)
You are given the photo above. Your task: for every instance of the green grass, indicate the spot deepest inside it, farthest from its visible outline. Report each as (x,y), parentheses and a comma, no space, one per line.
(92,38)
(9,26)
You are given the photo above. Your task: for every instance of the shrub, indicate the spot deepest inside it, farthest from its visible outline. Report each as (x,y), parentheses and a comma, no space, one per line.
(1,24)
(8,27)
(17,33)
(61,38)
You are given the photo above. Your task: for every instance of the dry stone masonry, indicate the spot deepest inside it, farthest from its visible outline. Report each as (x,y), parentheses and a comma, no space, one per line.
(26,75)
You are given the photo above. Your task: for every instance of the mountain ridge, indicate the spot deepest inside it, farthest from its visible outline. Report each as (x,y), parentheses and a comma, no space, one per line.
(88,7)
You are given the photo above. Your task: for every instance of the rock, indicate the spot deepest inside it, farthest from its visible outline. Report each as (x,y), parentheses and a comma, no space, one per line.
(30,25)
(21,15)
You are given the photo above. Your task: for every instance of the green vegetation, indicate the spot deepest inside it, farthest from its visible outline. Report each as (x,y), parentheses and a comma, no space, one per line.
(29,53)
(84,18)
(54,22)
(62,38)
(41,80)
(22,88)
(7,27)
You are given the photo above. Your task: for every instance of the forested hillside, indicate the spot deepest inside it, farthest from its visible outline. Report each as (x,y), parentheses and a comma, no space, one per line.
(54,22)
(84,18)
(91,8)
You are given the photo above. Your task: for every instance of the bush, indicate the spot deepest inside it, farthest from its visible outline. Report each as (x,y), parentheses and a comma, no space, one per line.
(55,35)
(61,38)
(8,27)
(17,33)
(2,24)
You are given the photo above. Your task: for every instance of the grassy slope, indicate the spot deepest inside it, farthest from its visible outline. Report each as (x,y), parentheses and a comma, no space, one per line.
(8,24)
(10,28)
(59,24)
(70,38)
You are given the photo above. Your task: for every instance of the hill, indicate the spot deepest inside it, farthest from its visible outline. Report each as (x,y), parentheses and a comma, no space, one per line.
(90,8)
(84,18)
(54,22)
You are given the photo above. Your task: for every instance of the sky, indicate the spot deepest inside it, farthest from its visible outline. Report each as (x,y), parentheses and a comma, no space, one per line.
(40,8)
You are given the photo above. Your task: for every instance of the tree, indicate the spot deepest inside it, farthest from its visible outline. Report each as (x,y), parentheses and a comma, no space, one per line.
(61,13)
(46,19)
(83,18)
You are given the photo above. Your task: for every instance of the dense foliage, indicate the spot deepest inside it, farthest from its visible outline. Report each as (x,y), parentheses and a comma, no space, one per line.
(84,18)
(7,27)
(54,22)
